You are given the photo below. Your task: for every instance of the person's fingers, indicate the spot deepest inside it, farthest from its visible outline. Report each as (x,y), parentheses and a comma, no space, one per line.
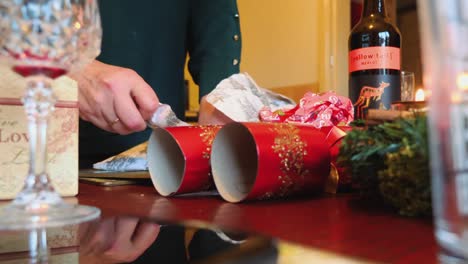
(125,228)
(91,105)
(123,250)
(86,109)
(133,239)
(85,233)
(103,237)
(127,112)
(106,108)
(111,120)
(101,123)
(115,99)
(145,234)
(146,100)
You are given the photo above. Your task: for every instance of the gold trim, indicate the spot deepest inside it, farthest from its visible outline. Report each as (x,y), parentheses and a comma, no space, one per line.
(207,137)
(291,150)
(331,185)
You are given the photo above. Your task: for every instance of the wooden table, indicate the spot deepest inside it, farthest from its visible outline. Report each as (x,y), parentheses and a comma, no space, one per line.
(340,223)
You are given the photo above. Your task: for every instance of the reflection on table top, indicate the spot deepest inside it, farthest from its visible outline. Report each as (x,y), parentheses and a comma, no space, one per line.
(131,239)
(333,228)
(126,239)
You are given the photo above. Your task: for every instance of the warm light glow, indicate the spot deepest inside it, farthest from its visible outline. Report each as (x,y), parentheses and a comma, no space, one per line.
(462,81)
(419,95)
(77,25)
(456,98)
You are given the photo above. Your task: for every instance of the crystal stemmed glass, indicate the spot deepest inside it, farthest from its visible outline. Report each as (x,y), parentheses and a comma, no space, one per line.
(42,40)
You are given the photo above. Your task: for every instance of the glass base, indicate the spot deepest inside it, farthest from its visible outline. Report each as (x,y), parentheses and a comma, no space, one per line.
(453,246)
(44,213)
(445,257)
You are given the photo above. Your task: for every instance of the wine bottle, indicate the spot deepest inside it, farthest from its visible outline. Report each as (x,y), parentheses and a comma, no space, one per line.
(374,60)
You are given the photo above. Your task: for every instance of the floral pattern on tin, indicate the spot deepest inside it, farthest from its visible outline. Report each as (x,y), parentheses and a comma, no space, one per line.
(207,136)
(291,150)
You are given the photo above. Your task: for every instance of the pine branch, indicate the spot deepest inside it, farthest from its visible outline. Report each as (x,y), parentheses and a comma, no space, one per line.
(390,161)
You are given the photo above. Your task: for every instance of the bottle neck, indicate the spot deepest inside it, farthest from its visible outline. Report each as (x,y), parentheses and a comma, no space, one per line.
(374,7)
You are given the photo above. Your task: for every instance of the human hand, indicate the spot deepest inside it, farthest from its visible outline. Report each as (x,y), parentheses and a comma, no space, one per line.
(115,99)
(116,240)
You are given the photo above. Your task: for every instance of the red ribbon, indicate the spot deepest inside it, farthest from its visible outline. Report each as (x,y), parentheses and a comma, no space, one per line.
(58,104)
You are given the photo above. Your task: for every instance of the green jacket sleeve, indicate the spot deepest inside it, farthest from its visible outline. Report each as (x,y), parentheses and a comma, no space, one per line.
(214,42)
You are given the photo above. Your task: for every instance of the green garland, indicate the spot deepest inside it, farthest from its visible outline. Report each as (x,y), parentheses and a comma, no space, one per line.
(391,161)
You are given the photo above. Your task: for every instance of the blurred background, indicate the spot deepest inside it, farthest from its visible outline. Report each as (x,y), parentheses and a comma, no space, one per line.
(301,45)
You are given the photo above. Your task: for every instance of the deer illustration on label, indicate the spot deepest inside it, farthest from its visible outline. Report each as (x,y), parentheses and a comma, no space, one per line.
(367,94)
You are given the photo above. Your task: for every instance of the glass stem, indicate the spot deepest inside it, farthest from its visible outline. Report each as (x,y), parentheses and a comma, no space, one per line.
(38,249)
(39,103)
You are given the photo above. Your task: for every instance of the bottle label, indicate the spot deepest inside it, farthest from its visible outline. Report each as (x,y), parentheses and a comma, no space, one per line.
(373,91)
(374,58)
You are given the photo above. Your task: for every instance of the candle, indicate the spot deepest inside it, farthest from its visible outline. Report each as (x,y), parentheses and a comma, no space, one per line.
(462,87)
(420,96)
(417,105)
(462,82)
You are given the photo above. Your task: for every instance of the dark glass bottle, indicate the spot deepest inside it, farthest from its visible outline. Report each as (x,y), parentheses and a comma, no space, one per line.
(374,60)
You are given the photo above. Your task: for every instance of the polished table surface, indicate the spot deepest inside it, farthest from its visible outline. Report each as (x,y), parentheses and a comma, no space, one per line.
(341,223)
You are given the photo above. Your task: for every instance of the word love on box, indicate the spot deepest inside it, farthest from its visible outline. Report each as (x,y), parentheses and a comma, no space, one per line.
(13,137)
(14,142)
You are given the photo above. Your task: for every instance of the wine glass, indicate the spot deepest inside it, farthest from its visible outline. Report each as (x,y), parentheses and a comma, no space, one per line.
(407,86)
(42,40)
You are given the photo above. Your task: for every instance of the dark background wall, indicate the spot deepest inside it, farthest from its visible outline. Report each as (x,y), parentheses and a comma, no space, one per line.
(407,22)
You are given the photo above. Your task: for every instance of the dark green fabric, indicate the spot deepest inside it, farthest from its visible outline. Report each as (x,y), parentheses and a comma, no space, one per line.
(153,37)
